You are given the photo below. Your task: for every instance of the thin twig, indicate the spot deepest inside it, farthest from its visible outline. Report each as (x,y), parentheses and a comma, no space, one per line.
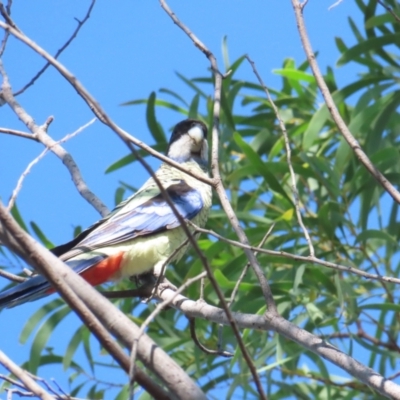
(146,322)
(12,381)
(18,133)
(289,158)
(215,163)
(202,285)
(28,382)
(97,109)
(218,352)
(278,324)
(237,285)
(225,201)
(13,235)
(41,134)
(307,259)
(341,125)
(38,158)
(67,43)
(303,4)
(7,11)
(243,274)
(12,277)
(166,262)
(350,384)
(389,9)
(334,5)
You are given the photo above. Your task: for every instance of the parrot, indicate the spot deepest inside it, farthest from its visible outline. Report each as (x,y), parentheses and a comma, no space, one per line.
(142,233)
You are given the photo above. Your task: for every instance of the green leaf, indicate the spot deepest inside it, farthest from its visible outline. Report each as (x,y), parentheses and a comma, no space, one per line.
(73,344)
(319,119)
(17,216)
(190,83)
(254,158)
(42,237)
(119,195)
(371,234)
(194,106)
(295,74)
(378,20)
(34,320)
(225,283)
(368,46)
(43,335)
(173,94)
(130,158)
(154,127)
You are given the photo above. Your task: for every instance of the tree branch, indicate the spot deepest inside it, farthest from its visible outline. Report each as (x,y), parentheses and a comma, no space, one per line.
(224,200)
(226,205)
(66,44)
(341,125)
(276,323)
(289,158)
(307,259)
(22,375)
(40,134)
(37,159)
(72,288)
(18,133)
(96,108)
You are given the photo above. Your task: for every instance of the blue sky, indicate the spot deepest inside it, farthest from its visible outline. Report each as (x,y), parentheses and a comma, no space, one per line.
(125,51)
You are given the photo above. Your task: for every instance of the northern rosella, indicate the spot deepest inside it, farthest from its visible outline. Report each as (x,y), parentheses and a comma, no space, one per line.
(141,234)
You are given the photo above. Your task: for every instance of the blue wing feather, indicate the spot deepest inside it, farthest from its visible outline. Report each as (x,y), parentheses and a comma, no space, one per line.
(155,215)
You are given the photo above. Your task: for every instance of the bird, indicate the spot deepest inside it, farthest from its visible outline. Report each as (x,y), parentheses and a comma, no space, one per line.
(142,233)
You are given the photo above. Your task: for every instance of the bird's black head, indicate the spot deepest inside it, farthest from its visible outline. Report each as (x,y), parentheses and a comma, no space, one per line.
(189,141)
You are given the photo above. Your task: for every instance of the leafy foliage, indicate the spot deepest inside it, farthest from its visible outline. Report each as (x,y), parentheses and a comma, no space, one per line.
(351,221)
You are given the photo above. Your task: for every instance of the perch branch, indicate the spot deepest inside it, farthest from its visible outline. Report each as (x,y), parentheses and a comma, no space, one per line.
(341,125)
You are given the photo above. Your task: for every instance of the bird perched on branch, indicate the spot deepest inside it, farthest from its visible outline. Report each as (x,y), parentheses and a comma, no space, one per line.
(142,233)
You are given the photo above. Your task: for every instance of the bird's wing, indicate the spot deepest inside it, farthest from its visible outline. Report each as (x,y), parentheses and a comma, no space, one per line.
(143,214)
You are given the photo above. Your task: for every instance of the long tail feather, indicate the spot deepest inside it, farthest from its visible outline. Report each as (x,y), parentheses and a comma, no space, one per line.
(38,286)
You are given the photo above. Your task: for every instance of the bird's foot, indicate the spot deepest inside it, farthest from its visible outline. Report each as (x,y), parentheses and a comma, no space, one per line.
(166,284)
(153,283)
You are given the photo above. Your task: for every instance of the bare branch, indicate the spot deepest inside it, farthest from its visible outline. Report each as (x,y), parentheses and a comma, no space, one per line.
(164,266)
(145,324)
(192,325)
(78,293)
(273,322)
(18,133)
(66,44)
(214,159)
(307,259)
(242,275)
(289,158)
(225,202)
(28,382)
(40,133)
(37,159)
(12,277)
(389,9)
(341,125)
(96,108)
(333,5)
(5,11)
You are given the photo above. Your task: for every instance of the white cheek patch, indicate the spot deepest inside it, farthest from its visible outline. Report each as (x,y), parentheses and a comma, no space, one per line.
(196,133)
